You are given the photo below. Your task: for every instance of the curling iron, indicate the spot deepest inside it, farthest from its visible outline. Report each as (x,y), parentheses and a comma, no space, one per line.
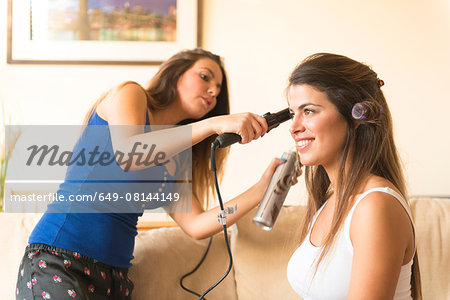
(273,120)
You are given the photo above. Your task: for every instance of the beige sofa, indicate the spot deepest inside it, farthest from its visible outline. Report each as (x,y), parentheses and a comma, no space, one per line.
(163,255)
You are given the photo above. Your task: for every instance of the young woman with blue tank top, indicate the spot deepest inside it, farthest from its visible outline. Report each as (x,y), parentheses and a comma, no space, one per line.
(357,237)
(81,251)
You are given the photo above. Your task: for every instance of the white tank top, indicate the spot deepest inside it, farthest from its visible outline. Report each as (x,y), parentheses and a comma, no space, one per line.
(332,279)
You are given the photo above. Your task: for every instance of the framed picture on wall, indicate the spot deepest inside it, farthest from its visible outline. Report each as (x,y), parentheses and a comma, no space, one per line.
(100,31)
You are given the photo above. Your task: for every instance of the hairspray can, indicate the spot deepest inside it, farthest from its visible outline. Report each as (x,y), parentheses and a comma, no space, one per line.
(276,192)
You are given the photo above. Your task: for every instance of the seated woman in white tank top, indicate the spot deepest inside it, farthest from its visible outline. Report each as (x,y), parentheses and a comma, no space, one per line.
(357,239)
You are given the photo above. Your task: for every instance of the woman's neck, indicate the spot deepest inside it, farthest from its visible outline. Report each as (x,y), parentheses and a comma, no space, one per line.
(333,174)
(336,181)
(170,115)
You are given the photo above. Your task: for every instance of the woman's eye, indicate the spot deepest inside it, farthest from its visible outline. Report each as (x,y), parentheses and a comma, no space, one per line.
(307,111)
(291,114)
(204,77)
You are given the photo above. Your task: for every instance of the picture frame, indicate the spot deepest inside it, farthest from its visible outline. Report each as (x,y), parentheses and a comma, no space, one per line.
(22,48)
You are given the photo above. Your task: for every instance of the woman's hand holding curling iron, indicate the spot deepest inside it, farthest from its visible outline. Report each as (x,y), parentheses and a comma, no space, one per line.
(248,125)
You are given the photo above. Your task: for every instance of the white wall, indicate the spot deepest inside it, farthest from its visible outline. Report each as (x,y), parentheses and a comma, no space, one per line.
(406,42)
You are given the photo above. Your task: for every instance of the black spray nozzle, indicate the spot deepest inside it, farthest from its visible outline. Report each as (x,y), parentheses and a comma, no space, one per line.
(273,120)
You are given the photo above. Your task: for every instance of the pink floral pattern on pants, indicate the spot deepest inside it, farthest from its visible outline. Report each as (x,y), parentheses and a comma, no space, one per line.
(48,272)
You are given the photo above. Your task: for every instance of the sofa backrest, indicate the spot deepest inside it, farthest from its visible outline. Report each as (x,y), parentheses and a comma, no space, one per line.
(162,256)
(432,225)
(261,256)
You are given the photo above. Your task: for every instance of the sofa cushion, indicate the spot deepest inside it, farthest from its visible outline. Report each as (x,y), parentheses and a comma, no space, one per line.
(432,224)
(162,256)
(260,257)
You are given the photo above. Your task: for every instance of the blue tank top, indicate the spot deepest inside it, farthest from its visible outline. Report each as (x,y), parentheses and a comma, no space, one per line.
(103,230)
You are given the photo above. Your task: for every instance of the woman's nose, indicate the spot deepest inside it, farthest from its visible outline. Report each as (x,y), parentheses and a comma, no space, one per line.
(297,125)
(213,90)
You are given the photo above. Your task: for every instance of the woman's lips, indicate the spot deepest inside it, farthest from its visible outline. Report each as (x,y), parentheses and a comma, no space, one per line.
(207,101)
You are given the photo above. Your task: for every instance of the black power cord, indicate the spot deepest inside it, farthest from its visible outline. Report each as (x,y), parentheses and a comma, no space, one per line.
(195,269)
(222,216)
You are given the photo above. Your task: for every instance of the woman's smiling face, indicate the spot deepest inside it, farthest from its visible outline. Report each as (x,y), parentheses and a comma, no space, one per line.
(319,131)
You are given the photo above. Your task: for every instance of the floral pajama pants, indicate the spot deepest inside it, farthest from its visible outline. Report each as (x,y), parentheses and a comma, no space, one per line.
(48,272)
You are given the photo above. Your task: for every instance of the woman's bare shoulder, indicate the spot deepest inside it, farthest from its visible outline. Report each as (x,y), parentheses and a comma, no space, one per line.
(129,100)
(381,214)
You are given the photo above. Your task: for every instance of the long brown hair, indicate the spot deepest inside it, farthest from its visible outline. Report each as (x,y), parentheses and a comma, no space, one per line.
(162,91)
(369,149)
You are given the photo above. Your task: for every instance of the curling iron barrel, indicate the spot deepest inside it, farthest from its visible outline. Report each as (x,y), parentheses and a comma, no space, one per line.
(273,120)
(276,192)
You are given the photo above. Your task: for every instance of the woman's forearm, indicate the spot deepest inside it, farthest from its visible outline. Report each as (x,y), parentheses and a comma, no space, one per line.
(201,224)
(158,146)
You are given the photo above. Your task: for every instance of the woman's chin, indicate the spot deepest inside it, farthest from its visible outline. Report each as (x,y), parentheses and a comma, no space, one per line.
(306,162)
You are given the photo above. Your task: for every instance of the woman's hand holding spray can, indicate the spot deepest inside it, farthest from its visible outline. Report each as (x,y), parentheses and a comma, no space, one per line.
(284,177)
